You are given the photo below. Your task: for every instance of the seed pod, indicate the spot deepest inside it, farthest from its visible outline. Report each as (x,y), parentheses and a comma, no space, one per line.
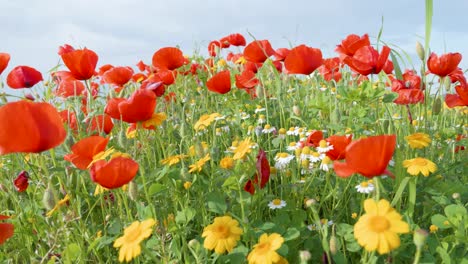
(437,106)
(333,244)
(420,50)
(48,199)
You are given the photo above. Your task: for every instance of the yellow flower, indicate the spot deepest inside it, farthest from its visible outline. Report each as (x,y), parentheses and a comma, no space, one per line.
(130,133)
(155,120)
(187,185)
(129,243)
(58,205)
(197,166)
(222,235)
(418,140)
(227,163)
(419,165)
(433,228)
(205,121)
(354,215)
(172,160)
(377,229)
(242,149)
(265,251)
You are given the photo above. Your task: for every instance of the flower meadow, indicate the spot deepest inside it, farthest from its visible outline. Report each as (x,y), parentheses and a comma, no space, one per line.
(252,154)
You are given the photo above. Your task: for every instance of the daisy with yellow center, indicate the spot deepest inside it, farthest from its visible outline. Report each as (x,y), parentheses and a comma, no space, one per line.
(277,204)
(259,109)
(282,160)
(292,146)
(172,160)
(267,129)
(243,148)
(222,235)
(326,164)
(197,166)
(324,146)
(282,133)
(419,165)
(418,140)
(379,227)
(261,119)
(129,243)
(316,156)
(265,251)
(365,187)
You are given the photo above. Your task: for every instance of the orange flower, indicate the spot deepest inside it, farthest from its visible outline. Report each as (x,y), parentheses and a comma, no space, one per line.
(303,60)
(368,157)
(81,63)
(4,59)
(29,127)
(443,65)
(84,150)
(220,83)
(23,77)
(258,51)
(168,58)
(236,39)
(6,230)
(114,173)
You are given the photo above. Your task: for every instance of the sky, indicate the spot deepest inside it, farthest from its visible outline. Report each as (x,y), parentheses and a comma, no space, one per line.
(122,32)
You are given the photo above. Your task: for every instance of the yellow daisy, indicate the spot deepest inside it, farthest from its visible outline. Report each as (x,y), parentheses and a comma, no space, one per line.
(197,166)
(242,149)
(265,251)
(419,165)
(222,235)
(418,140)
(226,163)
(378,228)
(172,160)
(204,121)
(129,243)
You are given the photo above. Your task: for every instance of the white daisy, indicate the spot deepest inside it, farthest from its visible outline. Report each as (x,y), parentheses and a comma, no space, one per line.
(261,119)
(316,157)
(282,160)
(268,129)
(244,116)
(291,132)
(292,146)
(324,147)
(277,204)
(365,187)
(326,164)
(259,109)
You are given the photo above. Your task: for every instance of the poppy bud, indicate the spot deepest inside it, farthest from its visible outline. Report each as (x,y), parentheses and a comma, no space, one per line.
(21,182)
(333,244)
(49,198)
(305,256)
(259,91)
(419,237)
(133,190)
(437,106)
(420,50)
(456,196)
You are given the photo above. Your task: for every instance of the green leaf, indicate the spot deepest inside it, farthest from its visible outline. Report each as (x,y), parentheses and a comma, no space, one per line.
(390,97)
(400,190)
(396,66)
(267,226)
(156,188)
(455,211)
(439,221)
(443,255)
(185,216)
(291,234)
(71,253)
(216,203)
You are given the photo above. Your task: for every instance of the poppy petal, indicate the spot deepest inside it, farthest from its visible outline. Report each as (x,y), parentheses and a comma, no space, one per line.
(220,83)
(303,60)
(81,63)
(258,51)
(115,173)
(23,77)
(6,231)
(168,58)
(4,59)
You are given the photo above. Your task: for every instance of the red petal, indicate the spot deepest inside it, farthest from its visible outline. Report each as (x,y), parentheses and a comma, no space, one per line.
(220,83)
(85,149)
(139,107)
(246,79)
(23,77)
(258,51)
(115,173)
(4,59)
(168,58)
(118,75)
(81,63)
(263,168)
(6,231)
(303,60)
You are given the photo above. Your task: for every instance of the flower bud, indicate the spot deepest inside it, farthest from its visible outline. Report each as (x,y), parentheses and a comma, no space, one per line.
(133,190)
(296,110)
(437,106)
(420,50)
(333,244)
(305,256)
(419,237)
(456,196)
(310,202)
(194,244)
(49,198)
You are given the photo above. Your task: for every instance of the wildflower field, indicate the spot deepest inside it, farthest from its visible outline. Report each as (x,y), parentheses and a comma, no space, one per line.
(252,154)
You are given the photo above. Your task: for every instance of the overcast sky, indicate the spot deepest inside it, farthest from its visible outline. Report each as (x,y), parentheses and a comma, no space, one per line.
(122,32)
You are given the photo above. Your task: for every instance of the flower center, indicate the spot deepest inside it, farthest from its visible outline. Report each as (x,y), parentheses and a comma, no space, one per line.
(379,224)
(276,201)
(263,248)
(364,184)
(133,236)
(222,231)
(323,143)
(420,162)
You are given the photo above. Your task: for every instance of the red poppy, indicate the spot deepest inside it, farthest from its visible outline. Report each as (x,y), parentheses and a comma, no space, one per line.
(220,83)
(81,63)
(170,97)
(236,39)
(281,54)
(139,107)
(368,157)
(104,68)
(118,75)
(65,49)
(246,79)
(233,57)
(100,123)
(458,99)
(168,58)
(6,230)
(303,60)
(443,65)
(367,60)
(69,118)
(339,144)
(142,66)
(410,81)
(351,44)
(258,51)
(60,76)
(84,150)
(22,181)
(459,147)
(70,88)
(4,59)
(166,76)
(251,66)
(155,85)
(213,48)
(409,96)
(314,138)
(330,69)
(23,77)
(457,75)
(139,77)
(29,127)
(262,175)
(114,173)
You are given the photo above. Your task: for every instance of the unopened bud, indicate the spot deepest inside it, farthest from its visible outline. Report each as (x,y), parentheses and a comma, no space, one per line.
(333,244)
(194,244)
(133,190)
(296,110)
(49,198)
(437,106)
(420,50)
(456,196)
(310,202)
(304,255)
(419,237)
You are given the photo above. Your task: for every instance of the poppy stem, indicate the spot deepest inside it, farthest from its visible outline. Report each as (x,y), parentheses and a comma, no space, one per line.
(410,117)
